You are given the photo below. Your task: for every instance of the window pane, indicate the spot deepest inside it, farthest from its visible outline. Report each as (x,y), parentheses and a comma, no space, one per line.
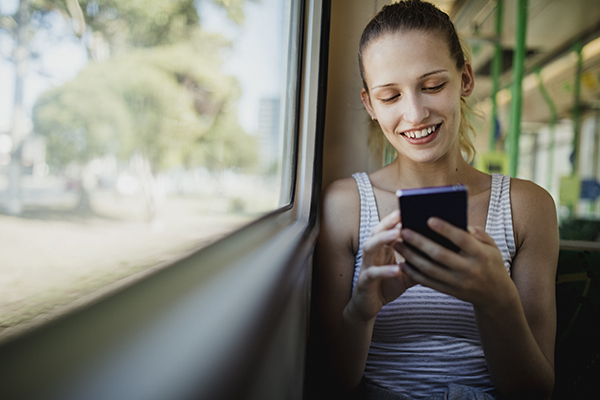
(132,133)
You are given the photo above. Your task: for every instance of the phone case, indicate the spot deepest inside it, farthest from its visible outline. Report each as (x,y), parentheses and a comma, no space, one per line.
(445,202)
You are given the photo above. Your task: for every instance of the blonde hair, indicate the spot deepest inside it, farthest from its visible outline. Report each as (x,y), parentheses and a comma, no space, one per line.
(465,128)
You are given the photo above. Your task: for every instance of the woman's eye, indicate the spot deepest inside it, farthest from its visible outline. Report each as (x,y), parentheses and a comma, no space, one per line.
(434,88)
(388,99)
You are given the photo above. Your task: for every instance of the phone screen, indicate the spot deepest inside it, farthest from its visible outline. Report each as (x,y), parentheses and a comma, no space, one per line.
(445,202)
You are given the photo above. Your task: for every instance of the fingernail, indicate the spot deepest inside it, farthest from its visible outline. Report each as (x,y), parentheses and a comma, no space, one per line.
(433,222)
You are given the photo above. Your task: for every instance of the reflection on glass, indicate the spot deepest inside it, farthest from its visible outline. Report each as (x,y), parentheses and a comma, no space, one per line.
(130,134)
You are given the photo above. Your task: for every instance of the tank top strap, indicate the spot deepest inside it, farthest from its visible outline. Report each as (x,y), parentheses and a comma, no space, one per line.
(369,216)
(499,219)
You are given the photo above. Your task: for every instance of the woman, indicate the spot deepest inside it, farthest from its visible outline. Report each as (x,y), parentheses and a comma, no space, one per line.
(481,321)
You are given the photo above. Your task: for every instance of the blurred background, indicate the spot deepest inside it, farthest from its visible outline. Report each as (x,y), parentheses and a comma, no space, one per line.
(131,133)
(551,49)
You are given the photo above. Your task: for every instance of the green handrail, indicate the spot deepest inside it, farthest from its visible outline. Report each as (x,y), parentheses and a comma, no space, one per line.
(516,106)
(578,47)
(496,70)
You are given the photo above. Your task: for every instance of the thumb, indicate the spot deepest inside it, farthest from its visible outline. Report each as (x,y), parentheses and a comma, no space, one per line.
(481,235)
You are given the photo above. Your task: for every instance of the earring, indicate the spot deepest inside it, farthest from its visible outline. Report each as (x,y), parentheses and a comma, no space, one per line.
(373,118)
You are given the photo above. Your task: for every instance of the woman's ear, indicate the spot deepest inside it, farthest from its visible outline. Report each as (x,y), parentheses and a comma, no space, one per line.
(468,80)
(366,100)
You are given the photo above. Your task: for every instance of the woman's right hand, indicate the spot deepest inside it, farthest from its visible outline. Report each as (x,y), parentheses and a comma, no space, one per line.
(380,280)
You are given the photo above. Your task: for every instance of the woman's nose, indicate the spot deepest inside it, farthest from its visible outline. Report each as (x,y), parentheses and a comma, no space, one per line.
(414,110)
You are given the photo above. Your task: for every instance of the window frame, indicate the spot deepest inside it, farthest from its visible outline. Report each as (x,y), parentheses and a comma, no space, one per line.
(228,321)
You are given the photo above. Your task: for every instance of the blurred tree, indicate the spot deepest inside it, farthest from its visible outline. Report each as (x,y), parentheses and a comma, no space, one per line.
(172,103)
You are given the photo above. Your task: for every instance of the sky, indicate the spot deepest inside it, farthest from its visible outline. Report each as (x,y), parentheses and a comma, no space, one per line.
(256,60)
(59,63)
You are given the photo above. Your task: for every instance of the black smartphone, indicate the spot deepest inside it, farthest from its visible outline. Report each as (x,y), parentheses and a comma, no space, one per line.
(445,202)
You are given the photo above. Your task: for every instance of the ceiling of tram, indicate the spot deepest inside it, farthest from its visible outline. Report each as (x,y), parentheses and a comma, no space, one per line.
(553,29)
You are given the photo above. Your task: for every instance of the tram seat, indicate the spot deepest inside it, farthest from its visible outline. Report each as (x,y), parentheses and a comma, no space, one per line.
(577,361)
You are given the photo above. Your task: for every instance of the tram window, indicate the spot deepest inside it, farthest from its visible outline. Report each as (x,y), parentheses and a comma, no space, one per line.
(132,134)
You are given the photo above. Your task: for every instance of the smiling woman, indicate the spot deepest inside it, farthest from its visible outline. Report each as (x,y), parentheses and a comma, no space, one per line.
(404,317)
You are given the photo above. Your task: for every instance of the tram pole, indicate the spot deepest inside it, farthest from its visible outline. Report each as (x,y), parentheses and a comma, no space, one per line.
(516,106)
(577,108)
(496,69)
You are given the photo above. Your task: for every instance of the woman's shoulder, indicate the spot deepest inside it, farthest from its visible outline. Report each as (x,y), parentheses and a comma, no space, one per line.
(341,212)
(529,196)
(533,208)
(342,196)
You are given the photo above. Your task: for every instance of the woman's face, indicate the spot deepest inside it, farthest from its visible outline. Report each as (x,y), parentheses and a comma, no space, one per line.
(414,93)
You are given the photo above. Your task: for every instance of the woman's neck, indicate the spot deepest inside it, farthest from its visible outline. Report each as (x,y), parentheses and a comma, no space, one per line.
(447,171)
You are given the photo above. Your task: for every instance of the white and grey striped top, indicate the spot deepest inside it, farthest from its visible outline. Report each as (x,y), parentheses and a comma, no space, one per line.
(425,340)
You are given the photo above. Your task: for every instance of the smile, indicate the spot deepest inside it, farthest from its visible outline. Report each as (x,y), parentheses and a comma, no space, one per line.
(421,133)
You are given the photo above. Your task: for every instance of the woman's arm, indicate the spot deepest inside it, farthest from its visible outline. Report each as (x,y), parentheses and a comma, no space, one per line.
(348,317)
(516,318)
(334,258)
(520,343)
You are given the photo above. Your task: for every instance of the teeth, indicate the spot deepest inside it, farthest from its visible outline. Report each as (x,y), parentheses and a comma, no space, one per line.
(419,134)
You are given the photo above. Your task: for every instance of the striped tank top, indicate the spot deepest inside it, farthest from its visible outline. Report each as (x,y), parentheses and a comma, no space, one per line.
(425,340)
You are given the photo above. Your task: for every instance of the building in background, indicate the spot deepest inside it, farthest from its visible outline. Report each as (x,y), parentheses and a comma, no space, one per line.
(268,133)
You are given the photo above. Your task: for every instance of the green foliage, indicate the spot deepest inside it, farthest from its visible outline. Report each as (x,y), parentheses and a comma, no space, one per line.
(234,9)
(76,128)
(171,102)
(141,23)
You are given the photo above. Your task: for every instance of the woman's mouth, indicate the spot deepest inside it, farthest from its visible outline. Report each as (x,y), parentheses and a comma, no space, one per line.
(422,133)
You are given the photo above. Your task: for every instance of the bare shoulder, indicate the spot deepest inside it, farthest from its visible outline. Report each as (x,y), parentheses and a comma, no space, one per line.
(343,192)
(533,209)
(529,200)
(528,193)
(341,211)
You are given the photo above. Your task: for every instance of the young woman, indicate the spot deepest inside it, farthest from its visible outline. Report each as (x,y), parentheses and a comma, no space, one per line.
(477,323)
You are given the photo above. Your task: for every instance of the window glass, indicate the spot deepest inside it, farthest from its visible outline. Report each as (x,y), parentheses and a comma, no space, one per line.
(131,133)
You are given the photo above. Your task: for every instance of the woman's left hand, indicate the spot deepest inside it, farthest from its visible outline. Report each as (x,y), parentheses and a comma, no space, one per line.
(476,274)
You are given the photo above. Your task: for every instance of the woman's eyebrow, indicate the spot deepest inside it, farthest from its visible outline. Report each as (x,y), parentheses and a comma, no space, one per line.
(383,86)
(437,71)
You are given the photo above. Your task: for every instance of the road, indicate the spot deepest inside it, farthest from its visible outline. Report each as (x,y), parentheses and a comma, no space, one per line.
(53,261)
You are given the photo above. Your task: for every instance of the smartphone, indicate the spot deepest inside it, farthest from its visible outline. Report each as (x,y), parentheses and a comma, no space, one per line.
(445,202)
